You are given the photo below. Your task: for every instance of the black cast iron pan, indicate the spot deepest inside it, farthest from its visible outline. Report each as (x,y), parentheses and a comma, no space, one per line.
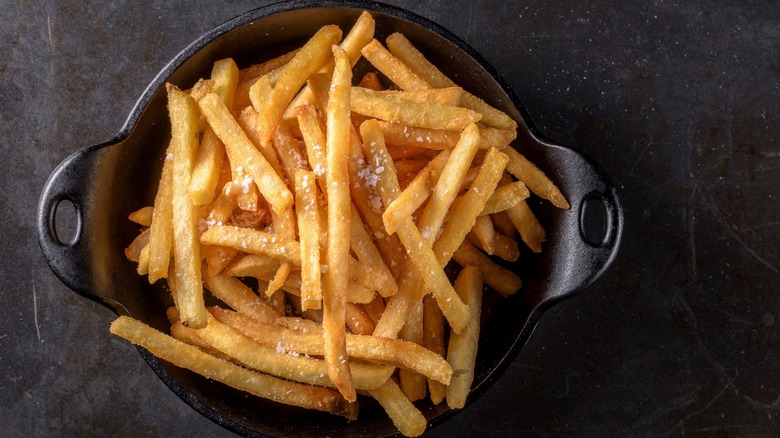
(108,181)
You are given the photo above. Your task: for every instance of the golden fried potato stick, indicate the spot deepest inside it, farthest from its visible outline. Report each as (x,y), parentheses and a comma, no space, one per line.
(485,234)
(449,183)
(392,108)
(405,416)
(314,140)
(254,242)
(529,227)
(336,278)
(234,293)
(186,356)
(361,33)
(211,152)
(277,362)
(143,261)
(186,248)
(496,276)
(309,229)
(255,71)
(241,150)
(392,67)
(415,194)
(534,178)
(404,50)
(413,384)
(397,134)
(133,251)
(506,197)
(462,350)
(449,96)
(161,228)
(248,122)
(394,352)
(418,250)
(371,81)
(368,254)
(368,203)
(142,216)
(433,339)
(358,321)
(308,60)
(463,215)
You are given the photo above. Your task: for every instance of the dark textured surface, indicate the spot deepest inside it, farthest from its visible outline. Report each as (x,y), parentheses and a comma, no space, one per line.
(679,102)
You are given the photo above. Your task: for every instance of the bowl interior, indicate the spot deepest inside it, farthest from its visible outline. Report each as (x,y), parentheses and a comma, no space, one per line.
(133,166)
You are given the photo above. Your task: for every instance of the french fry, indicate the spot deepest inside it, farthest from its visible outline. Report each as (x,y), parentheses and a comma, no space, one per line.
(408,201)
(372,277)
(485,233)
(394,69)
(501,279)
(142,216)
(405,416)
(418,250)
(257,70)
(276,361)
(503,224)
(396,109)
(394,352)
(527,225)
(358,321)
(361,33)
(506,197)
(309,229)
(237,295)
(133,251)
(397,134)
(462,350)
(217,258)
(186,249)
(371,81)
(336,278)
(400,47)
(433,340)
(309,59)
(241,150)
(369,204)
(463,214)
(449,183)
(259,266)
(143,261)
(161,228)
(375,308)
(449,96)
(314,140)
(211,152)
(534,178)
(367,253)
(254,242)
(284,225)
(191,358)
(505,248)
(248,122)
(413,385)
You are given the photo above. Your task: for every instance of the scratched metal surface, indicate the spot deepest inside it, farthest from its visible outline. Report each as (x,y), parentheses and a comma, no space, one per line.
(679,101)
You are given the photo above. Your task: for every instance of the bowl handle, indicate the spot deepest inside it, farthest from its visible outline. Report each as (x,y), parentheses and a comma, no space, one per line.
(71,261)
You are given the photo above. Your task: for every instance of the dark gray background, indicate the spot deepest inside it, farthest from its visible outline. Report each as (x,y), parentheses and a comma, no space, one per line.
(678,101)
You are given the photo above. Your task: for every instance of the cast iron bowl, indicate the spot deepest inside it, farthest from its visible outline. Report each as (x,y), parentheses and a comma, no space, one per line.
(108,181)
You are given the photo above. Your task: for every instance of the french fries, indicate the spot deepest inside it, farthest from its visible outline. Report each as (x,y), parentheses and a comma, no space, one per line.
(325,235)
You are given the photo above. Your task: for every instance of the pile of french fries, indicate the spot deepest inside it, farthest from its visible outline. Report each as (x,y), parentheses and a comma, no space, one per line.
(342,205)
